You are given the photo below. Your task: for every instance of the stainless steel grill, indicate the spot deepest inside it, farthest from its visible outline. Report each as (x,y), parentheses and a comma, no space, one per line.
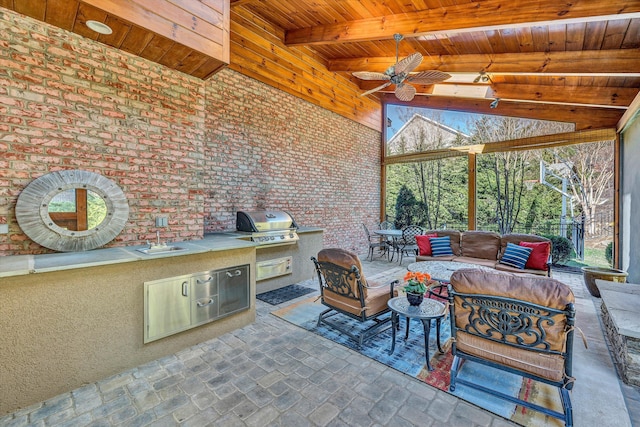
(267,227)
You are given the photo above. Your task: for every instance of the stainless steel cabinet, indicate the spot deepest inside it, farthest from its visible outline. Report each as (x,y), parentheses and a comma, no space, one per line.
(179,303)
(167,307)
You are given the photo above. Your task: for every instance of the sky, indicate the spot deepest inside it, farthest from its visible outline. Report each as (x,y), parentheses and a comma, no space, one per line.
(453,119)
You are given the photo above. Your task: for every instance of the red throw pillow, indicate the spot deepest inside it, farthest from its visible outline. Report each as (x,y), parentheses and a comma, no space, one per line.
(539,254)
(424,245)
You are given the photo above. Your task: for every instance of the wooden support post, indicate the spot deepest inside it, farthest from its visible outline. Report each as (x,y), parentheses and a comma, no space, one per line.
(617,171)
(472,193)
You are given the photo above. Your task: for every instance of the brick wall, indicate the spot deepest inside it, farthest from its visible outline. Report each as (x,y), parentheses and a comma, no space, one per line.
(193,150)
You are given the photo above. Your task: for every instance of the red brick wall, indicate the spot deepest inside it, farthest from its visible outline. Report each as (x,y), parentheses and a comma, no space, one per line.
(193,150)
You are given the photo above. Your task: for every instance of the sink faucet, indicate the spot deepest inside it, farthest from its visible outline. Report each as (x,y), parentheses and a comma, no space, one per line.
(158,238)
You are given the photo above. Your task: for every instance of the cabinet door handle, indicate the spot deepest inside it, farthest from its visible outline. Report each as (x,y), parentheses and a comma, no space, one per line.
(185,289)
(199,282)
(237,273)
(202,304)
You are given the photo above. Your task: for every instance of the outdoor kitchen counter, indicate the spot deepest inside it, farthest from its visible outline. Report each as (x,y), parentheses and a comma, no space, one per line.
(17,265)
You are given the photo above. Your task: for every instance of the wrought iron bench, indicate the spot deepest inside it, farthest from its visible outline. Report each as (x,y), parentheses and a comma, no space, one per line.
(522,325)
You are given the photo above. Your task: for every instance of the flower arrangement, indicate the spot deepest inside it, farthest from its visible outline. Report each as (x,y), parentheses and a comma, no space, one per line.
(416,282)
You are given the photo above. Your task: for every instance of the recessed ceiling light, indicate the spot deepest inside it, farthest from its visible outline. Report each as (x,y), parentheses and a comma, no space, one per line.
(99,27)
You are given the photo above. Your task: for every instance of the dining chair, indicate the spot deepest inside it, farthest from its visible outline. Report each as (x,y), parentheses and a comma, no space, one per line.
(391,241)
(376,242)
(408,241)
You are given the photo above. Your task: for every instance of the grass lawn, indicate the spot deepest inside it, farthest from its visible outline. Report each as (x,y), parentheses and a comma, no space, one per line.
(593,257)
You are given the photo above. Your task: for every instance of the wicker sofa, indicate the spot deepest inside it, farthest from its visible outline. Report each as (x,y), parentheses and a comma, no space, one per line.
(486,248)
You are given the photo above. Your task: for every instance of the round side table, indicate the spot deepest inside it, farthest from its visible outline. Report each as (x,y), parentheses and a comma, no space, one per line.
(427,311)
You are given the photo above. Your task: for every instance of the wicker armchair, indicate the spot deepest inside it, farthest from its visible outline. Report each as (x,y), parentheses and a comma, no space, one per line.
(346,292)
(522,325)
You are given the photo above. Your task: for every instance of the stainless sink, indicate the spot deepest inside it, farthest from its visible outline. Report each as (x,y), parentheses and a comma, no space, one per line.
(161,250)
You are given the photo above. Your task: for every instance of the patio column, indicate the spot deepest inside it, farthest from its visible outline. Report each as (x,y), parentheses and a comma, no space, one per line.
(471,196)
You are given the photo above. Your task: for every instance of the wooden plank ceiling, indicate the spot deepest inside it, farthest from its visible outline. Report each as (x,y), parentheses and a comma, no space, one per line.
(573,61)
(189,36)
(576,61)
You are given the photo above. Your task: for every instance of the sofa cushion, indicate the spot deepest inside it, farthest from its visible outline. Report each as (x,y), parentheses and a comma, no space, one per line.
(480,244)
(435,258)
(509,269)
(539,254)
(454,235)
(441,246)
(515,256)
(516,238)
(424,246)
(477,261)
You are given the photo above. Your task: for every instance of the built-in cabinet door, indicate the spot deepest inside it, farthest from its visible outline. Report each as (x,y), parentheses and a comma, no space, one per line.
(204,287)
(168,307)
(233,287)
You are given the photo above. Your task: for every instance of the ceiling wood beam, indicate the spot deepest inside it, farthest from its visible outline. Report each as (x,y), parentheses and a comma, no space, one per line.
(583,117)
(606,97)
(471,16)
(625,62)
(611,97)
(631,112)
(521,144)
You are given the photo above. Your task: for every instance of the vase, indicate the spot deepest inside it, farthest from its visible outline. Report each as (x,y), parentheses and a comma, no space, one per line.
(414,299)
(590,274)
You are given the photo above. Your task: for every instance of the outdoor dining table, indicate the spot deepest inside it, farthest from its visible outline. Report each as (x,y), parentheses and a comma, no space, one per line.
(394,235)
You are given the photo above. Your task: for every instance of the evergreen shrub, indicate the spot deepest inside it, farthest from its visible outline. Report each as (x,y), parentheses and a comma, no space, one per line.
(561,249)
(608,253)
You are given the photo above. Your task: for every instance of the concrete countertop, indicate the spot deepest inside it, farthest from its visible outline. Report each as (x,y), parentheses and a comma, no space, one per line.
(622,301)
(17,265)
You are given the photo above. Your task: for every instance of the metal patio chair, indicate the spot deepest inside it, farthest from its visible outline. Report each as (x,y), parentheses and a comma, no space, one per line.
(347,293)
(376,242)
(518,324)
(408,243)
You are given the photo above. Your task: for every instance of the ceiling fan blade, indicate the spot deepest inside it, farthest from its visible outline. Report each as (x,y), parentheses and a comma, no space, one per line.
(409,63)
(428,77)
(405,92)
(369,92)
(370,75)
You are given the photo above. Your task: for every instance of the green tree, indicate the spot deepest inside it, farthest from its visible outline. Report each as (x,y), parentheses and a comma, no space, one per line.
(407,208)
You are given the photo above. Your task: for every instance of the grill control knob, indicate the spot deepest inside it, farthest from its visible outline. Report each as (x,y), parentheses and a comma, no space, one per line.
(282,237)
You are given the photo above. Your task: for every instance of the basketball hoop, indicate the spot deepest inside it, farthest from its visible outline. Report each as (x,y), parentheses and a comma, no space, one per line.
(529,183)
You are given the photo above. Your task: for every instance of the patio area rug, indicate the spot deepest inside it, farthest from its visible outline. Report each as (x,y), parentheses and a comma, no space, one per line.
(278,296)
(409,358)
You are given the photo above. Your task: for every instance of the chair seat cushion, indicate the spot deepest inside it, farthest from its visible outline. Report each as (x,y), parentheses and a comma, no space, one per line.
(549,366)
(375,302)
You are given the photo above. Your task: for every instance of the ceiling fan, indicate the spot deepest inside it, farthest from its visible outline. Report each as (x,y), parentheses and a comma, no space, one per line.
(398,75)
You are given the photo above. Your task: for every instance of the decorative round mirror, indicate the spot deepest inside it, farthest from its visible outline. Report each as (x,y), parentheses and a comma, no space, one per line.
(72,210)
